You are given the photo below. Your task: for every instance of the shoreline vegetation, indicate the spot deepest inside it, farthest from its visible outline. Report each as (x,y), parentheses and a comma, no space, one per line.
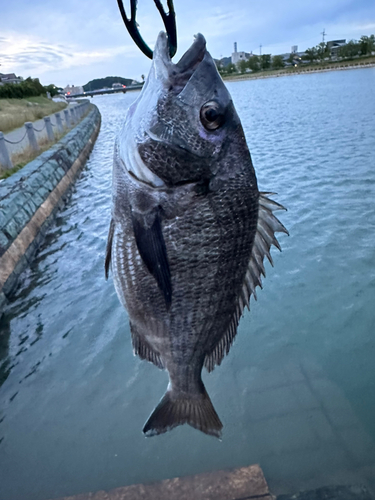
(15,112)
(364,62)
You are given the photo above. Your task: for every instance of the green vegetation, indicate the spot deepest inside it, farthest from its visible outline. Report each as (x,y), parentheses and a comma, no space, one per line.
(277,62)
(108,81)
(354,53)
(31,87)
(304,68)
(364,47)
(52,89)
(25,157)
(15,112)
(28,88)
(254,63)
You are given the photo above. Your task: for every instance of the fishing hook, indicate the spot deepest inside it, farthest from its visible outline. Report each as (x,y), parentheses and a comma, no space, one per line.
(169,21)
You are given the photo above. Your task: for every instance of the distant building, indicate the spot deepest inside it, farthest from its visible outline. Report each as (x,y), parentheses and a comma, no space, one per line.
(294,49)
(334,45)
(72,90)
(239,56)
(295,60)
(10,78)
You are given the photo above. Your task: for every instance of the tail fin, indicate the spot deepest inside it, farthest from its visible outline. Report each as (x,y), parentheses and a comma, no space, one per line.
(171,412)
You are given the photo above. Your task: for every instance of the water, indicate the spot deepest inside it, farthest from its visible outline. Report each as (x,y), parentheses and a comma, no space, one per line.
(297,391)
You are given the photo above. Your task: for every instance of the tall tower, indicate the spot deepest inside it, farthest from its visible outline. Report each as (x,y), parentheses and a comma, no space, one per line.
(235,47)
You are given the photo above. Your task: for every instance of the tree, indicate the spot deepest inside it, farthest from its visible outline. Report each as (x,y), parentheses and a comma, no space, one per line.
(52,89)
(322,51)
(351,49)
(367,44)
(231,68)
(243,66)
(266,61)
(28,88)
(253,63)
(278,62)
(310,55)
(363,45)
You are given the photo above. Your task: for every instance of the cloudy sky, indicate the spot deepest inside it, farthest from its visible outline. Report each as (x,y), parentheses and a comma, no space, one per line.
(72,42)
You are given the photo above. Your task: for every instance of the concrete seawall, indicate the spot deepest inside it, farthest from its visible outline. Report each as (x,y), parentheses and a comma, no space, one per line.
(30,198)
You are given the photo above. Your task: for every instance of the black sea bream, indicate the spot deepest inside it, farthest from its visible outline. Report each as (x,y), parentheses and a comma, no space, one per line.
(189,229)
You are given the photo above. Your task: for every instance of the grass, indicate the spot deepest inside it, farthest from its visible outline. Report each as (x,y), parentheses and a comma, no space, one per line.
(27,155)
(15,112)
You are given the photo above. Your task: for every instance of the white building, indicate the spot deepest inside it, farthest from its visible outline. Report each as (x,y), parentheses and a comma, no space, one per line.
(72,90)
(239,56)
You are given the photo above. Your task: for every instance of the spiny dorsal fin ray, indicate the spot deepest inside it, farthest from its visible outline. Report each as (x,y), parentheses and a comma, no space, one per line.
(267,226)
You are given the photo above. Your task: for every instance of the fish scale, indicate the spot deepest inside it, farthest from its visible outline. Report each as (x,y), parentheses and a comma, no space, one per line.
(189,229)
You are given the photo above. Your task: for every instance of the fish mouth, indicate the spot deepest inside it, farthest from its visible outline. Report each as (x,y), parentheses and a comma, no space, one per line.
(177,75)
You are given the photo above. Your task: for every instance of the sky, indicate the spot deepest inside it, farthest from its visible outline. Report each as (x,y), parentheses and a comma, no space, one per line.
(75,41)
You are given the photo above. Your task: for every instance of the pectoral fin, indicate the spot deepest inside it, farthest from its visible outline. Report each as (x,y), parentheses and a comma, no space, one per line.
(152,249)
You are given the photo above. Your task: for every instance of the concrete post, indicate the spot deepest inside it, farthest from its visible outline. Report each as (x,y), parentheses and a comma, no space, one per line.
(67,118)
(50,134)
(59,123)
(31,136)
(5,160)
(73,116)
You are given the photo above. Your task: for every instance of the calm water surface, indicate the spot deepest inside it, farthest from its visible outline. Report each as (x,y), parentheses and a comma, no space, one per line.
(297,392)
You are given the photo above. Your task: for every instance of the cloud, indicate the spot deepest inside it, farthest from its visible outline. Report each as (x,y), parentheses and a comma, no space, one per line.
(79,41)
(20,53)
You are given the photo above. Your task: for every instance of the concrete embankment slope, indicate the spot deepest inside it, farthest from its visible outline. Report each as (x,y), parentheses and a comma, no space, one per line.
(30,198)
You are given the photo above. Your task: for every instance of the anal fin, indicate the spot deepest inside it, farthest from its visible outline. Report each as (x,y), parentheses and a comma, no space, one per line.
(143,349)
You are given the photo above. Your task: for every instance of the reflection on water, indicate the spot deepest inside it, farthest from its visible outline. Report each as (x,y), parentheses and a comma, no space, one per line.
(295,394)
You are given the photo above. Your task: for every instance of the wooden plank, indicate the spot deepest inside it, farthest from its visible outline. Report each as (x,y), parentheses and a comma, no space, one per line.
(236,484)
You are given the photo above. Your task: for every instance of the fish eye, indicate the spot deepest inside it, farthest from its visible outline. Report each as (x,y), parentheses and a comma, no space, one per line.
(212,115)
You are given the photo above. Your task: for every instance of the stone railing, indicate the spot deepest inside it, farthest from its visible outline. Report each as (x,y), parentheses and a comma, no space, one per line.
(30,198)
(53,128)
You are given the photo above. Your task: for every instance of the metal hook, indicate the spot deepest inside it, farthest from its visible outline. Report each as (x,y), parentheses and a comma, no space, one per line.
(169,21)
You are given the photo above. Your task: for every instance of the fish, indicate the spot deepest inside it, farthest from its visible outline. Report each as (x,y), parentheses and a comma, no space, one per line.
(189,229)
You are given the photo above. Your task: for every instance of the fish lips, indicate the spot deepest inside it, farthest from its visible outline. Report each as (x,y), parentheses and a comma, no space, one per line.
(176,76)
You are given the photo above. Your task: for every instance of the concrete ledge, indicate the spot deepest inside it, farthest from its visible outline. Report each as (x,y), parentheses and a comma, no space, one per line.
(237,484)
(30,198)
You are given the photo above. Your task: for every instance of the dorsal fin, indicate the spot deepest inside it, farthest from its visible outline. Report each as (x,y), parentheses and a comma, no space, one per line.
(267,226)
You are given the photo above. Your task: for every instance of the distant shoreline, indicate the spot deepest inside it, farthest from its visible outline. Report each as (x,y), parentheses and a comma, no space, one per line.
(306,71)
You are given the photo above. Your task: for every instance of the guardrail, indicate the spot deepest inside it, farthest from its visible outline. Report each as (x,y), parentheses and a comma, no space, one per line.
(33,135)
